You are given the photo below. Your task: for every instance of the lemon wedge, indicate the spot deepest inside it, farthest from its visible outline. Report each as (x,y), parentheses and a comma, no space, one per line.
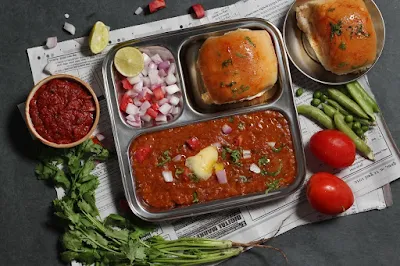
(129,61)
(98,38)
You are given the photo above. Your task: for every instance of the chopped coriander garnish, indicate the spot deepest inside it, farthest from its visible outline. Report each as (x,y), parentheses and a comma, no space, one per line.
(273,185)
(342,64)
(275,173)
(195,197)
(250,41)
(244,88)
(231,119)
(263,161)
(331,9)
(178,171)
(164,158)
(194,178)
(336,29)
(226,63)
(236,155)
(240,55)
(243,179)
(342,46)
(230,84)
(279,148)
(241,125)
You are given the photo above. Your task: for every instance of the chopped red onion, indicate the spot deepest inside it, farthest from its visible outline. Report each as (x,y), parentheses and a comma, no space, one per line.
(167,175)
(146,118)
(170,79)
(217,145)
(171,89)
(254,168)
(51,42)
(271,144)
(156,59)
(69,28)
(51,68)
(172,69)
(174,100)
(138,11)
(176,110)
(138,87)
(165,108)
(164,65)
(154,77)
(177,158)
(246,154)
(134,123)
(145,105)
(137,102)
(161,118)
(162,73)
(226,129)
(132,109)
(146,59)
(162,101)
(100,137)
(135,79)
(221,176)
(146,82)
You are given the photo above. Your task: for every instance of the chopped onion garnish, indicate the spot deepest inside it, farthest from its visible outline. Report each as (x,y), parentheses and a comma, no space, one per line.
(152,65)
(145,105)
(100,137)
(138,86)
(161,118)
(174,100)
(167,175)
(162,73)
(217,145)
(51,68)
(254,168)
(154,77)
(132,109)
(134,123)
(146,82)
(51,42)
(133,118)
(144,72)
(246,154)
(162,101)
(138,11)
(165,108)
(156,59)
(176,110)
(164,65)
(226,129)
(271,144)
(146,59)
(135,79)
(171,89)
(146,118)
(172,69)
(221,176)
(69,27)
(177,158)
(170,79)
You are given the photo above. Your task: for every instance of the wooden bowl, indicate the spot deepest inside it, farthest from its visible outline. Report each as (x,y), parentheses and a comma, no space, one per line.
(29,120)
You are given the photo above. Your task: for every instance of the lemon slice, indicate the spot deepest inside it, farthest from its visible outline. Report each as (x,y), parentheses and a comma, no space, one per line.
(129,61)
(98,38)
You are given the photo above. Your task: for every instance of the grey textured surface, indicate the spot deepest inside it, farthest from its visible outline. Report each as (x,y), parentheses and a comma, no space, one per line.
(26,238)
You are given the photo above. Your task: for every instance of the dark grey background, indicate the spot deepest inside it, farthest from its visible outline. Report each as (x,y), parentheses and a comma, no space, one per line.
(26,238)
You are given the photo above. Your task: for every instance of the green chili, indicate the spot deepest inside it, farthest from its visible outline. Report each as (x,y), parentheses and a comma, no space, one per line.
(317,114)
(348,103)
(367,97)
(337,107)
(358,97)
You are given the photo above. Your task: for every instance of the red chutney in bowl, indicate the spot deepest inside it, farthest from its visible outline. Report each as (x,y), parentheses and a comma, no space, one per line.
(62,111)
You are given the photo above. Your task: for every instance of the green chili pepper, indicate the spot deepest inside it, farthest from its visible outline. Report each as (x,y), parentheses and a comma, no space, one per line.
(329,110)
(317,114)
(367,97)
(358,97)
(337,106)
(348,103)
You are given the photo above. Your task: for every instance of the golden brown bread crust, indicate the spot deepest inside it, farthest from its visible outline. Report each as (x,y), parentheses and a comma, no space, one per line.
(238,65)
(341,33)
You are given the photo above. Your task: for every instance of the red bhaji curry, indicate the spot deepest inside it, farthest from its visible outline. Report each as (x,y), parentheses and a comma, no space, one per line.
(254,154)
(62,111)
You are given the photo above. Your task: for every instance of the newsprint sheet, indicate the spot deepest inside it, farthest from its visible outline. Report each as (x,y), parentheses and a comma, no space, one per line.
(367,179)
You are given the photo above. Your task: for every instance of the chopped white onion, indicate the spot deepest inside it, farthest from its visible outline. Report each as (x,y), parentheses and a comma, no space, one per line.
(217,145)
(100,137)
(134,123)
(69,27)
(138,11)
(161,118)
(146,59)
(174,100)
(221,176)
(165,108)
(170,79)
(164,65)
(171,89)
(146,82)
(137,102)
(176,110)
(271,144)
(131,93)
(146,118)
(51,68)
(172,69)
(177,158)
(145,105)
(51,42)
(254,168)
(135,79)
(152,65)
(162,101)
(162,73)
(167,175)
(156,59)
(246,154)
(147,90)
(132,109)
(226,129)
(133,118)
(144,72)
(154,77)
(138,87)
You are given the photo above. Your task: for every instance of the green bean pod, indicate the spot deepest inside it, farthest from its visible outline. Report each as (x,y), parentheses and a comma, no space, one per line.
(329,110)
(347,103)
(367,97)
(337,107)
(316,114)
(359,98)
(364,122)
(360,144)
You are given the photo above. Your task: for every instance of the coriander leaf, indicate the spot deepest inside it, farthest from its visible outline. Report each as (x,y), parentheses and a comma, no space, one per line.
(117,234)
(72,240)
(85,207)
(195,197)
(231,119)
(273,185)
(178,171)
(130,250)
(336,29)
(275,173)
(342,46)
(250,41)
(240,55)
(279,149)
(194,178)
(263,161)
(227,62)
(243,179)
(89,186)
(164,158)
(61,180)
(45,171)
(87,168)
(87,178)
(90,199)
(64,209)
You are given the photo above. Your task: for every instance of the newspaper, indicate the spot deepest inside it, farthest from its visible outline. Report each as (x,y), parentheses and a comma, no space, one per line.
(245,224)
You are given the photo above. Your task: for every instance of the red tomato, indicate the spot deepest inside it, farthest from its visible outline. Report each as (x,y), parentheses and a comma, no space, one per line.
(158,93)
(125,100)
(333,148)
(126,84)
(151,112)
(146,97)
(142,153)
(155,107)
(156,5)
(329,194)
(198,10)
(193,143)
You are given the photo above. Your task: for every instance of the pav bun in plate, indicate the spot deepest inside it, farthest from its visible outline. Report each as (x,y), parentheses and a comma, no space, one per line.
(237,66)
(341,33)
